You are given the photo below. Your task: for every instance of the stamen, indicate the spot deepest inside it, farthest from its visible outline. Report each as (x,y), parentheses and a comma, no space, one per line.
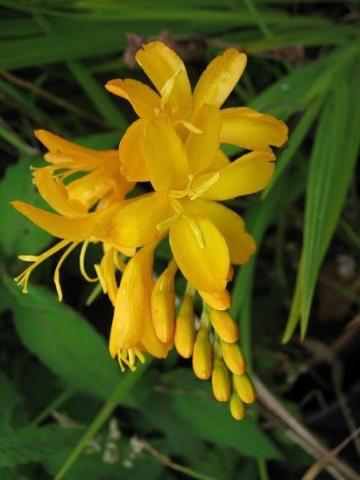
(123,358)
(182,193)
(23,279)
(100,277)
(82,263)
(168,88)
(190,126)
(139,355)
(204,186)
(57,269)
(167,223)
(196,231)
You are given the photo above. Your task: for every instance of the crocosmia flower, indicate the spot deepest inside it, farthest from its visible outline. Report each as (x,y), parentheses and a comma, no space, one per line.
(176,146)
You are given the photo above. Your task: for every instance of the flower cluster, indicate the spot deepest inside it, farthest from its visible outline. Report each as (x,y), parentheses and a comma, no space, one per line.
(176,145)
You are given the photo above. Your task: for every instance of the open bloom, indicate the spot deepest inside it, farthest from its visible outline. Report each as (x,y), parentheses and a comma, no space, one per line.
(189,180)
(100,188)
(174,101)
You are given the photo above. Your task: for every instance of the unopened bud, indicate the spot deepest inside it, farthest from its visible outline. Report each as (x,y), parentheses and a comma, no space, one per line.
(163,304)
(233,357)
(244,388)
(202,356)
(219,300)
(237,408)
(224,325)
(185,327)
(221,382)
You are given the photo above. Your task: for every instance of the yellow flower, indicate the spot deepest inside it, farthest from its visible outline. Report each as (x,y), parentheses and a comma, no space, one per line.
(204,235)
(101,186)
(174,102)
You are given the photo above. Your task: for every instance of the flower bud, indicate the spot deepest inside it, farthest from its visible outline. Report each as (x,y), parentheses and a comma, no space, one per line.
(237,408)
(185,327)
(233,357)
(244,388)
(202,356)
(221,382)
(163,304)
(219,300)
(224,325)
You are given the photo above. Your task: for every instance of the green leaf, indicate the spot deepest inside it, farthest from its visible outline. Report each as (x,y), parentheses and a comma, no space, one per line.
(330,173)
(33,444)
(212,421)
(10,400)
(18,235)
(64,341)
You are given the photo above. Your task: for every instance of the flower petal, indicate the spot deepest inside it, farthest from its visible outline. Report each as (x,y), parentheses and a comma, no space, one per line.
(54,193)
(132,305)
(64,151)
(142,98)
(167,72)
(74,229)
(165,156)
(201,253)
(132,163)
(248,174)
(202,148)
(252,130)
(231,226)
(135,224)
(219,78)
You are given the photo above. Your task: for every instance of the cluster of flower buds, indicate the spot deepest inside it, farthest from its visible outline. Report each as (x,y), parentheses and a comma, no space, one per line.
(176,145)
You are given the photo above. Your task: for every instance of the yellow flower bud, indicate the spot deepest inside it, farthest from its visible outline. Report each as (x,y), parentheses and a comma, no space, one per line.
(219,300)
(221,382)
(233,357)
(163,304)
(237,408)
(185,327)
(224,325)
(202,356)
(244,388)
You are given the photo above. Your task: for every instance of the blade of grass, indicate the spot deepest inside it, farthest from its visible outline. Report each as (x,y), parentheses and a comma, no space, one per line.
(330,173)
(103,415)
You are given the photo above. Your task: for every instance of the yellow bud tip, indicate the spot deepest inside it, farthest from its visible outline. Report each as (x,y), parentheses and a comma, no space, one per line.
(233,357)
(220,380)
(202,356)
(244,388)
(218,300)
(224,325)
(237,407)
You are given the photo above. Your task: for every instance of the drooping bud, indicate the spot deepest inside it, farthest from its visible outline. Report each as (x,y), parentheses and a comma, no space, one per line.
(163,304)
(185,325)
(219,300)
(244,388)
(224,325)
(132,302)
(202,356)
(233,357)
(237,408)
(221,382)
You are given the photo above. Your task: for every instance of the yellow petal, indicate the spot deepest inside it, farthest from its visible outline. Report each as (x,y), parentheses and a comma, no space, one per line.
(165,156)
(251,130)
(218,300)
(202,148)
(150,341)
(64,151)
(74,229)
(248,174)
(241,245)
(132,163)
(221,160)
(54,193)
(167,72)
(143,99)
(132,306)
(136,223)
(219,78)
(201,253)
